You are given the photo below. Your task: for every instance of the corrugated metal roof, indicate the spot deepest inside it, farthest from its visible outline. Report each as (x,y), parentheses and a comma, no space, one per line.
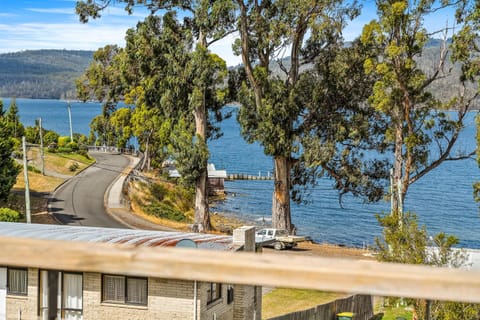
(145,238)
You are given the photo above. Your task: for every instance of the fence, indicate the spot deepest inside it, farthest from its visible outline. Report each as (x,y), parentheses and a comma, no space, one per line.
(361,305)
(274,270)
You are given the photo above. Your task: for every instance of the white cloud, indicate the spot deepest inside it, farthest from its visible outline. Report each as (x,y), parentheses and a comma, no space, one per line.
(223,48)
(31,36)
(53,10)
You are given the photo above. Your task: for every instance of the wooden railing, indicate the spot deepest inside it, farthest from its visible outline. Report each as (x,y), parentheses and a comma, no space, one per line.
(336,275)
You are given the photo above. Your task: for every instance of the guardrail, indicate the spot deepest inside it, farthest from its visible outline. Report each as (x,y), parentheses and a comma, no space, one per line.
(328,274)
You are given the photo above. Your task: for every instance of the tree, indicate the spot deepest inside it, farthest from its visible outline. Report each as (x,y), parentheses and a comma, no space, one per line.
(466,49)
(12,120)
(208,22)
(269,113)
(340,131)
(411,244)
(421,131)
(8,168)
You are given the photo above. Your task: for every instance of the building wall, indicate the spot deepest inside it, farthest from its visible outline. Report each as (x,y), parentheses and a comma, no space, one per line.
(167,299)
(247,303)
(25,307)
(217,310)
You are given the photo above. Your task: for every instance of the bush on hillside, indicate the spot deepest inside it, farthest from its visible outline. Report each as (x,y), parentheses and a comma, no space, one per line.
(63,141)
(9,215)
(164,210)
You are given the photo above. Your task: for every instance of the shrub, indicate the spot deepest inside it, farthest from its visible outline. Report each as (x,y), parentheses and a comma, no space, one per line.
(73,167)
(64,150)
(50,137)
(84,153)
(73,146)
(9,215)
(163,210)
(63,141)
(33,169)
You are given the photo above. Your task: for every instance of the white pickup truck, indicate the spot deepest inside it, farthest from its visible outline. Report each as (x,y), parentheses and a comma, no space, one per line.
(277,238)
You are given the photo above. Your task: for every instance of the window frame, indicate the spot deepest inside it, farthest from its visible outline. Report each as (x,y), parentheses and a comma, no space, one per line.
(61,292)
(125,300)
(211,298)
(17,293)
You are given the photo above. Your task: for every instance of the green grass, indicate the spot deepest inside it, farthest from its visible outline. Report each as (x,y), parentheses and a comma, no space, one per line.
(282,301)
(393,312)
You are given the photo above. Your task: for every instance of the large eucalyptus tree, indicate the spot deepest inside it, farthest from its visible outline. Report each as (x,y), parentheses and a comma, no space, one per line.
(207,22)
(270,114)
(421,131)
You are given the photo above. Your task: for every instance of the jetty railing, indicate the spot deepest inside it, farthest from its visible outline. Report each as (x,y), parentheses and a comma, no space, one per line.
(275,270)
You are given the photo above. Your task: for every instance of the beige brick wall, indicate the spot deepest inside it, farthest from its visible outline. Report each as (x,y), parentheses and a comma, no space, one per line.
(247,303)
(217,310)
(167,299)
(25,306)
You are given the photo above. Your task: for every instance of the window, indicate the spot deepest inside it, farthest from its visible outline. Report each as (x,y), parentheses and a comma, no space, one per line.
(214,292)
(122,289)
(17,281)
(230,293)
(61,295)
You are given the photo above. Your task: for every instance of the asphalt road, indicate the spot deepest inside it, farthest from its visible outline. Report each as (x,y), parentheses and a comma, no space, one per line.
(80,201)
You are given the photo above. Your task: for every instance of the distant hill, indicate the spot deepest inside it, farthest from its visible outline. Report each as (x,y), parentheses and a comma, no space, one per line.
(42,74)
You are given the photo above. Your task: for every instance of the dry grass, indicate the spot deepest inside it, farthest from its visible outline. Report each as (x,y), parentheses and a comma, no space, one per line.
(282,301)
(59,162)
(37,182)
(138,210)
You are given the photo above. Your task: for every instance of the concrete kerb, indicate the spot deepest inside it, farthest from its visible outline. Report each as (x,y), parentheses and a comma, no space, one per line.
(113,201)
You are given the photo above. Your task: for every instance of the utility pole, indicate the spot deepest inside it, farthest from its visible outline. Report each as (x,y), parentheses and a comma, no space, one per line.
(27,186)
(42,155)
(70,120)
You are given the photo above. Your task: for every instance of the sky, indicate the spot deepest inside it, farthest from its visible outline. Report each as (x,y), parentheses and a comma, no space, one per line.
(53,24)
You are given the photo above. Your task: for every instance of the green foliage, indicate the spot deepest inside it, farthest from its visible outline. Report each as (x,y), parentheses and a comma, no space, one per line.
(33,169)
(72,146)
(166,211)
(419,132)
(12,121)
(9,215)
(339,129)
(404,241)
(50,137)
(41,74)
(191,154)
(169,203)
(270,112)
(8,168)
(73,167)
(63,141)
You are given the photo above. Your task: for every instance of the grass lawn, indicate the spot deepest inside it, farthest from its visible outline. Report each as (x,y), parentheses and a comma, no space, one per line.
(38,183)
(59,162)
(281,301)
(393,312)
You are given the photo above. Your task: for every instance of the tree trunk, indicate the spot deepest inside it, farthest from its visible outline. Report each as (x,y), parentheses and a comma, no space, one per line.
(397,201)
(281,218)
(202,215)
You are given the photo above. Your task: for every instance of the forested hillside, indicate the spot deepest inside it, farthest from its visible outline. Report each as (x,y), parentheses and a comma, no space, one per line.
(51,74)
(44,74)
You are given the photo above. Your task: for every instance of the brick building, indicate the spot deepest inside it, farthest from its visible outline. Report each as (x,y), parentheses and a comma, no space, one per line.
(30,293)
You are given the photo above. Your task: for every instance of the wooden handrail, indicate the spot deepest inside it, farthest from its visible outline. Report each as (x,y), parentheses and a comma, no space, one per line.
(329,274)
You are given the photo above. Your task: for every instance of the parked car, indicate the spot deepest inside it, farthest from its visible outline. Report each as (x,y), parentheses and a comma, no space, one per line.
(277,238)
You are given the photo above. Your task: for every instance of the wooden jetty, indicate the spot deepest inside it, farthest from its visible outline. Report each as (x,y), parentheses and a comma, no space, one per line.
(241,176)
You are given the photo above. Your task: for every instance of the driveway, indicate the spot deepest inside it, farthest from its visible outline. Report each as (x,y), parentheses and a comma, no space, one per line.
(80,201)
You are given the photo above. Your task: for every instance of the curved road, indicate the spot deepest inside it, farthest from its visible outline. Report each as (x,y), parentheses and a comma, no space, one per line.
(80,201)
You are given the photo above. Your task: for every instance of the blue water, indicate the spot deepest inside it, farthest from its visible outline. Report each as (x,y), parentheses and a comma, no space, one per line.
(442,199)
